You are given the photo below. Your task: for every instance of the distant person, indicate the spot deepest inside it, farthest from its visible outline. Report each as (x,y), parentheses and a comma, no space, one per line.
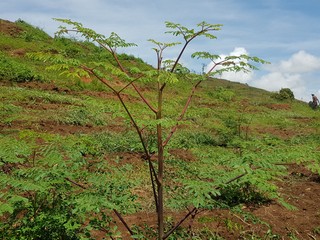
(315,101)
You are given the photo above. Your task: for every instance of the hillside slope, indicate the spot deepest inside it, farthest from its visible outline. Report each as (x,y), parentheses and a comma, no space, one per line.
(69,154)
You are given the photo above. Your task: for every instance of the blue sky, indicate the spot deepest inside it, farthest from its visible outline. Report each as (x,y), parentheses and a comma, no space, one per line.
(286,33)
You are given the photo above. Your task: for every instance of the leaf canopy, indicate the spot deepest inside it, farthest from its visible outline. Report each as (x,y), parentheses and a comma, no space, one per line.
(189,34)
(112,42)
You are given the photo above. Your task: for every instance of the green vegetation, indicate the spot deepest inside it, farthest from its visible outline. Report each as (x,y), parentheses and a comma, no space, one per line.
(16,72)
(71,160)
(284,94)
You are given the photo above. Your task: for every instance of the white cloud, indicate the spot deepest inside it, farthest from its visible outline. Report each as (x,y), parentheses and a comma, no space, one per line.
(241,77)
(296,73)
(274,81)
(299,62)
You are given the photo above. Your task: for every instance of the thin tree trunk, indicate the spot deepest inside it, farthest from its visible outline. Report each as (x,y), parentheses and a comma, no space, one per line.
(160,170)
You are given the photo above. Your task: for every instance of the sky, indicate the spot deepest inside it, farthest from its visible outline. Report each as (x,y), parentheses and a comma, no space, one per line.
(283,32)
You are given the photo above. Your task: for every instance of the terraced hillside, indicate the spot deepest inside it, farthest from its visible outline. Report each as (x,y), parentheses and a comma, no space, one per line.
(72,165)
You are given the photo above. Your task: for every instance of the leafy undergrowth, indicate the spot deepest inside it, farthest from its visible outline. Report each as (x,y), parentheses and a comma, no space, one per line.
(47,148)
(70,160)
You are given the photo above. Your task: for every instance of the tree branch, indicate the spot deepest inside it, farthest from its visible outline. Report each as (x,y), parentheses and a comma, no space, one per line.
(144,99)
(117,93)
(186,44)
(75,183)
(139,93)
(114,210)
(195,209)
(147,155)
(103,80)
(130,83)
(236,178)
(182,113)
(123,221)
(179,223)
(153,176)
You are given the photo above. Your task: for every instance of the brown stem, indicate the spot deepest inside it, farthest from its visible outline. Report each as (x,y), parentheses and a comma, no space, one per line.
(236,178)
(180,55)
(144,99)
(195,209)
(118,62)
(75,183)
(153,177)
(130,83)
(215,65)
(123,221)
(160,212)
(139,132)
(185,45)
(114,54)
(114,210)
(179,223)
(135,125)
(182,113)
(104,81)
(193,215)
(106,47)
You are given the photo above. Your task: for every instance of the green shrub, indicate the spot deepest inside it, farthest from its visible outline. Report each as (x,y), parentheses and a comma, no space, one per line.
(82,116)
(31,33)
(9,112)
(243,193)
(224,94)
(284,94)
(40,202)
(69,47)
(73,51)
(188,140)
(16,72)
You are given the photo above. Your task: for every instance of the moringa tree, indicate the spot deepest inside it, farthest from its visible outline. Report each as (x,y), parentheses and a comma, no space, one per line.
(165,73)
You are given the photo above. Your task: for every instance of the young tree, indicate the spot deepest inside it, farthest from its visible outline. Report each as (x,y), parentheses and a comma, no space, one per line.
(166,72)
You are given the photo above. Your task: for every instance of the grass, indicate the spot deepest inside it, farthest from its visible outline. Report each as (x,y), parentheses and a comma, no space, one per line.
(229,129)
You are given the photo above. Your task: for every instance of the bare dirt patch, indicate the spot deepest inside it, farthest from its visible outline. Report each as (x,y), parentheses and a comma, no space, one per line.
(282,133)
(303,119)
(186,155)
(278,106)
(41,107)
(45,87)
(9,28)
(300,188)
(55,127)
(101,94)
(18,52)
